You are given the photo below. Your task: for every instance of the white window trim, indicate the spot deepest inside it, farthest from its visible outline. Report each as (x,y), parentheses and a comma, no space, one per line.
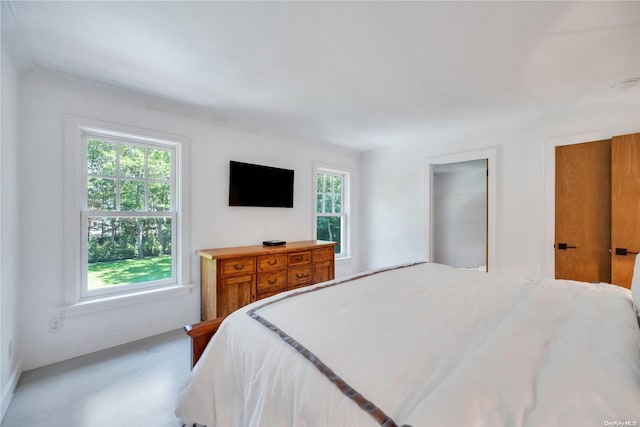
(346,204)
(74,127)
(118,213)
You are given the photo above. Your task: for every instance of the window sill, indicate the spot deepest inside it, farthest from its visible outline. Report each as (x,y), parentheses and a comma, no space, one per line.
(112,302)
(344,260)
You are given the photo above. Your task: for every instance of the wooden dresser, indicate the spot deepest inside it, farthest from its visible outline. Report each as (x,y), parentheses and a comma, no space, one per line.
(234,277)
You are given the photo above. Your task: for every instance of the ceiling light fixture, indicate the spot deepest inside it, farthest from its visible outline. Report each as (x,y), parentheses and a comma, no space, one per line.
(626,83)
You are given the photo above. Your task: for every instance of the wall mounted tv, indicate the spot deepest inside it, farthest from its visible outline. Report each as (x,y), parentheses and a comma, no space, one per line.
(257,185)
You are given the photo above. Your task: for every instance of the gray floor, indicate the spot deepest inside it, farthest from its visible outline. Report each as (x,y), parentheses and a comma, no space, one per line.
(130,385)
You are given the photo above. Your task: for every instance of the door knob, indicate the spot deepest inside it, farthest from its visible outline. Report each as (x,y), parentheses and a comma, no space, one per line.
(564,246)
(624,251)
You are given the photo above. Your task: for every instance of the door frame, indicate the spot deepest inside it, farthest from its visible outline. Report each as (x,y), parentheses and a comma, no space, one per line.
(491,154)
(549,172)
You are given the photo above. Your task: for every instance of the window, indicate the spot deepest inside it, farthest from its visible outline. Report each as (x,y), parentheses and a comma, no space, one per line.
(331,219)
(128,215)
(124,211)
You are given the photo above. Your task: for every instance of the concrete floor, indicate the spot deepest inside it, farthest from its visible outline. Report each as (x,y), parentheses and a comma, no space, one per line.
(130,385)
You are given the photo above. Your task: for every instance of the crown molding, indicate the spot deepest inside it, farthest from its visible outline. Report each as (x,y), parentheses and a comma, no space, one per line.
(13,39)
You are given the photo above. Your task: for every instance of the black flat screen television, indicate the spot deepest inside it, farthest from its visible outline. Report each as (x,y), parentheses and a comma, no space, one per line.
(257,185)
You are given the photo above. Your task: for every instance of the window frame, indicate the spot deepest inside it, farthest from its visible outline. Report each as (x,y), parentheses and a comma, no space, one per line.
(118,212)
(345,231)
(77,132)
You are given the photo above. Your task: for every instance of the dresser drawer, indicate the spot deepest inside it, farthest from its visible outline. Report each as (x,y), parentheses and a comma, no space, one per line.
(272,262)
(235,292)
(322,271)
(238,266)
(320,255)
(300,276)
(270,283)
(299,258)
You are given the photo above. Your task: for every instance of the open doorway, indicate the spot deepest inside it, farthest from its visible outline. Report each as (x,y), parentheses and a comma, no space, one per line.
(461,209)
(460,214)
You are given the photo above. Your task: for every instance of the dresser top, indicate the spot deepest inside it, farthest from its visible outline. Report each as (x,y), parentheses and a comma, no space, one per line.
(221,253)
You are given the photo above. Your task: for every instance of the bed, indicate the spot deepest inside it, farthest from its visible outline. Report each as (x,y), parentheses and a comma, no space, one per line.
(423,345)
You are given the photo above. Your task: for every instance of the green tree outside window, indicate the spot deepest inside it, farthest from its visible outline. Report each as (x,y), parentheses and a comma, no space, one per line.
(124,249)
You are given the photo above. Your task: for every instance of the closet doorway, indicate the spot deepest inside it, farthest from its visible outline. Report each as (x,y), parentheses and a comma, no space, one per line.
(460,214)
(488,159)
(597,203)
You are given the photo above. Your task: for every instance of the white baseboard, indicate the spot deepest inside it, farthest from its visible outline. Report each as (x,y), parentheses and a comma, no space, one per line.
(60,354)
(7,393)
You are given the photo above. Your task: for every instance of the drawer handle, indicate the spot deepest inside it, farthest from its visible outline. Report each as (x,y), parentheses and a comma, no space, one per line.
(238,266)
(272,262)
(297,258)
(272,281)
(301,275)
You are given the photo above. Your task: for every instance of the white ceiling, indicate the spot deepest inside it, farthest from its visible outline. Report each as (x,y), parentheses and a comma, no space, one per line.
(359,74)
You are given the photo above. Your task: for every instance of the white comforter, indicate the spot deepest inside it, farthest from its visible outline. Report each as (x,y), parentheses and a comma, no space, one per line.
(430,346)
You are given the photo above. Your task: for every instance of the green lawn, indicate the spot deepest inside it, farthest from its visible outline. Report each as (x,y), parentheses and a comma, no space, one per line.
(105,274)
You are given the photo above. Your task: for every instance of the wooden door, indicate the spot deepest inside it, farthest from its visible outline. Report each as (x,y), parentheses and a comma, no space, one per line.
(625,207)
(583,212)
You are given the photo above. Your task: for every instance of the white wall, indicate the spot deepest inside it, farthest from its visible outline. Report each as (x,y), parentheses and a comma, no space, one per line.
(395,222)
(46,97)
(9,237)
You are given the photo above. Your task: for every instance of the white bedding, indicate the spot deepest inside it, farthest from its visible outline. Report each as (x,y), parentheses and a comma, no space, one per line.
(430,346)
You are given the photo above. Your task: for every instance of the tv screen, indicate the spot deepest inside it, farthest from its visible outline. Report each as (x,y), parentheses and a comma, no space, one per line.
(257,185)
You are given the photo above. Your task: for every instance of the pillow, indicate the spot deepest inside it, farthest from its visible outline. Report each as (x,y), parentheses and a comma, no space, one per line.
(635,285)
